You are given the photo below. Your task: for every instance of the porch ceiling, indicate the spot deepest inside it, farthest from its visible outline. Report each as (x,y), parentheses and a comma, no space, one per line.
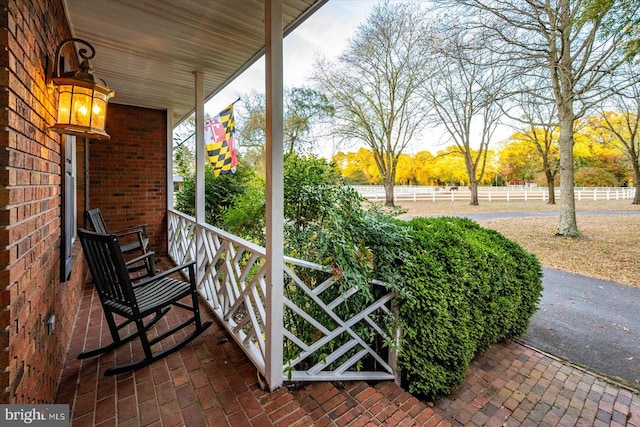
(148,50)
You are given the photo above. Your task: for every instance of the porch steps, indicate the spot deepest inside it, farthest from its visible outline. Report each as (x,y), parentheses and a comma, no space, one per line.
(358,404)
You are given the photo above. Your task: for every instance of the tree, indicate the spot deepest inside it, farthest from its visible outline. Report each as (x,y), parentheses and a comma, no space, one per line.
(304,108)
(556,40)
(184,162)
(405,170)
(423,163)
(449,167)
(543,138)
(623,127)
(519,159)
(534,119)
(251,128)
(374,84)
(622,17)
(597,157)
(358,167)
(463,93)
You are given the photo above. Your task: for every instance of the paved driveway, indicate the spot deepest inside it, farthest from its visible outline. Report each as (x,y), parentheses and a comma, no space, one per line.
(590,322)
(593,323)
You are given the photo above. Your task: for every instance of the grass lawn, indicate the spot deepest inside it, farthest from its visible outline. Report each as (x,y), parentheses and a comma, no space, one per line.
(608,248)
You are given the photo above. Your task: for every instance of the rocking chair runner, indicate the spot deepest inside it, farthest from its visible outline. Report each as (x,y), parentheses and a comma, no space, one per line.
(152,295)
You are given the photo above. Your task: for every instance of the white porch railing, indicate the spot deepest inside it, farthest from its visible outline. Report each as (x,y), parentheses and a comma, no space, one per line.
(319,344)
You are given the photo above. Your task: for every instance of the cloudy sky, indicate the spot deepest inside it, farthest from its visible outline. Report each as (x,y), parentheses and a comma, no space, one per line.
(325,33)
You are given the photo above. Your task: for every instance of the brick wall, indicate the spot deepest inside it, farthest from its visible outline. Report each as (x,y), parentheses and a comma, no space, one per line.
(30,207)
(127,174)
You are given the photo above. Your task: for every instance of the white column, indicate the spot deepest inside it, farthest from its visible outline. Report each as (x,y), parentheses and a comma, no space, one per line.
(169,159)
(199,96)
(274,193)
(200,159)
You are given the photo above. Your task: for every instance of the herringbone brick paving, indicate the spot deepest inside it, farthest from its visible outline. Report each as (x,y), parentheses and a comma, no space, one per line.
(211,382)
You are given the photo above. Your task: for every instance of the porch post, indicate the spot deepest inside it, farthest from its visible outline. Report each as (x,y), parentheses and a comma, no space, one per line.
(274,193)
(169,160)
(199,147)
(199,98)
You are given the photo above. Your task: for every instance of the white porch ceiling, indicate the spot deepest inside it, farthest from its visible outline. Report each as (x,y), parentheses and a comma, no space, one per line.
(148,50)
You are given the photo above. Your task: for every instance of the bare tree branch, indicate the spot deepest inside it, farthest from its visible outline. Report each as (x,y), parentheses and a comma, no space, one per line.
(374,84)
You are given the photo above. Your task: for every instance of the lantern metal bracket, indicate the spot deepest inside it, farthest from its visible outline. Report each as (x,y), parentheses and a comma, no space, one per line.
(86,117)
(85,71)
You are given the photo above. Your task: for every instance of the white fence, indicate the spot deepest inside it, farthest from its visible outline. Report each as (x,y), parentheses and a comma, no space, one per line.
(319,342)
(404,193)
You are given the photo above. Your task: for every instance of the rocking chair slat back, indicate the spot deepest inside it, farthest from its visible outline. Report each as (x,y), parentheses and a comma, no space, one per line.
(97,221)
(108,267)
(132,239)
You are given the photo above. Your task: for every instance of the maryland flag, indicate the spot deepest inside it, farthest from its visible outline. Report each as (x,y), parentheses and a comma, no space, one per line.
(218,136)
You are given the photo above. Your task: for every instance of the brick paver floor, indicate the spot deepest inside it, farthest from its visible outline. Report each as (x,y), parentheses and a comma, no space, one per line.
(211,382)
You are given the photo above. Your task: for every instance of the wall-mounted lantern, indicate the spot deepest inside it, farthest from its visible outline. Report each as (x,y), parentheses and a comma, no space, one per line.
(82,104)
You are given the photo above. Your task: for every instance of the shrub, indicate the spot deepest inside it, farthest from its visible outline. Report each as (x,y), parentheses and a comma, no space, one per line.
(220,192)
(595,177)
(465,289)
(312,187)
(246,215)
(329,223)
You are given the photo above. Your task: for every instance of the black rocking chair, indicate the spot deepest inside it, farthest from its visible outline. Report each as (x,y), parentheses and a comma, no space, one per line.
(140,243)
(135,301)
(132,239)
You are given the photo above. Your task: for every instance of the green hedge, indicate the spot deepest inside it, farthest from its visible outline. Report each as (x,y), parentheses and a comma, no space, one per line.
(461,288)
(466,288)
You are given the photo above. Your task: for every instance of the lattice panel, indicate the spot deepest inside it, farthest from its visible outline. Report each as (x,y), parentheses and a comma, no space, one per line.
(181,231)
(234,285)
(319,343)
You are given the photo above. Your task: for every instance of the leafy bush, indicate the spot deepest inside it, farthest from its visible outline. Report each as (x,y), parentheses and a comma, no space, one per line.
(465,289)
(329,223)
(246,215)
(595,177)
(220,192)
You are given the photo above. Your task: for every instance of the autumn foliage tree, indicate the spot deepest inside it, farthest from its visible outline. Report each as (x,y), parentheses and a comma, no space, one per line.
(599,162)
(621,123)
(530,152)
(519,160)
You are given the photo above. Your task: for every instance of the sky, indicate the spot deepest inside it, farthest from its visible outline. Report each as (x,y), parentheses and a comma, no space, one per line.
(325,34)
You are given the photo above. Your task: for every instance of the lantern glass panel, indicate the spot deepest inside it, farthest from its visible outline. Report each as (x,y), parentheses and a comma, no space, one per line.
(81,107)
(64,104)
(99,111)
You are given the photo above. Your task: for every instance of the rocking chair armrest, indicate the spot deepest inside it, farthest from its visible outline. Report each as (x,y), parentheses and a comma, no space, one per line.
(145,262)
(169,272)
(140,258)
(142,229)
